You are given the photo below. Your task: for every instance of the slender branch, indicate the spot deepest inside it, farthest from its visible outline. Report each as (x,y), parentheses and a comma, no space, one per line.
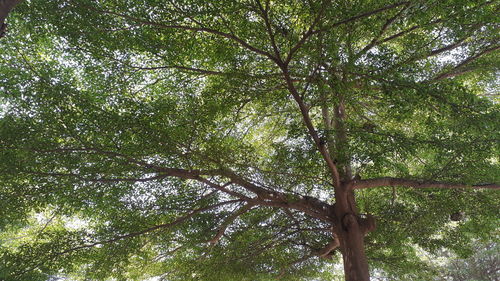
(384,28)
(177,221)
(102,152)
(388,181)
(449,47)
(154,228)
(432,53)
(304,37)
(366,14)
(296,222)
(265,15)
(229,36)
(404,32)
(230,220)
(315,213)
(440,20)
(457,69)
(207,71)
(180,67)
(297,261)
(108,180)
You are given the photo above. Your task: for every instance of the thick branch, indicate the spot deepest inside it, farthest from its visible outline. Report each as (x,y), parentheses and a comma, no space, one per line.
(265,197)
(325,251)
(304,110)
(5,7)
(311,206)
(388,181)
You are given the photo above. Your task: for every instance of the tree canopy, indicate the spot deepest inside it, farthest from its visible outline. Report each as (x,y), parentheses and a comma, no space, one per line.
(246,139)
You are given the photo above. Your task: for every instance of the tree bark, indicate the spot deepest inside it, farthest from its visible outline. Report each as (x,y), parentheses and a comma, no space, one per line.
(5,7)
(350,230)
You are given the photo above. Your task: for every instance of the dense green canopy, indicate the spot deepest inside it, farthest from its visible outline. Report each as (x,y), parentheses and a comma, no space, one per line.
(194,140)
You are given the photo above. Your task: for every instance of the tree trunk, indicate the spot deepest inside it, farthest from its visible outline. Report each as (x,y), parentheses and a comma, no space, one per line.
(5,7)
(350,230)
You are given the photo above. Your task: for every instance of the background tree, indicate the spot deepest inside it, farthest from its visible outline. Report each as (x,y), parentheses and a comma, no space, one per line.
(227,140)
(482,265)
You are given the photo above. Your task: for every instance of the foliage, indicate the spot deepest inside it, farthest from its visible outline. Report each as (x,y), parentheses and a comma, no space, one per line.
(132,132)
(482,265)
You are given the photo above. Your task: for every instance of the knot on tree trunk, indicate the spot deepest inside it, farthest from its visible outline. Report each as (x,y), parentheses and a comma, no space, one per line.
(348,220)
(366,222)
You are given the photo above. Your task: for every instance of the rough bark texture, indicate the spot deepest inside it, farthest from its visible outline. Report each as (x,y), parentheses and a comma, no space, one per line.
(5,7)
(350,230)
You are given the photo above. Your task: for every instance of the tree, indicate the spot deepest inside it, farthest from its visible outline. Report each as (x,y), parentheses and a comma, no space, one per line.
(246,140)
(482,265)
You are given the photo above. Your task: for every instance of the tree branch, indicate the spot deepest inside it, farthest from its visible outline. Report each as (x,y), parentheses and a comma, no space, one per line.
(388,181)
(154,228)
(325,251)
(311,206)
(177,221)
(207,71)
(228,221)
(229,36)
(108,180)
(322,253)
(457,69)
(265,16)
(384,28)
(366,14)
(180,67)
(304,110)
(440,20)
(304,37)
(265,197)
